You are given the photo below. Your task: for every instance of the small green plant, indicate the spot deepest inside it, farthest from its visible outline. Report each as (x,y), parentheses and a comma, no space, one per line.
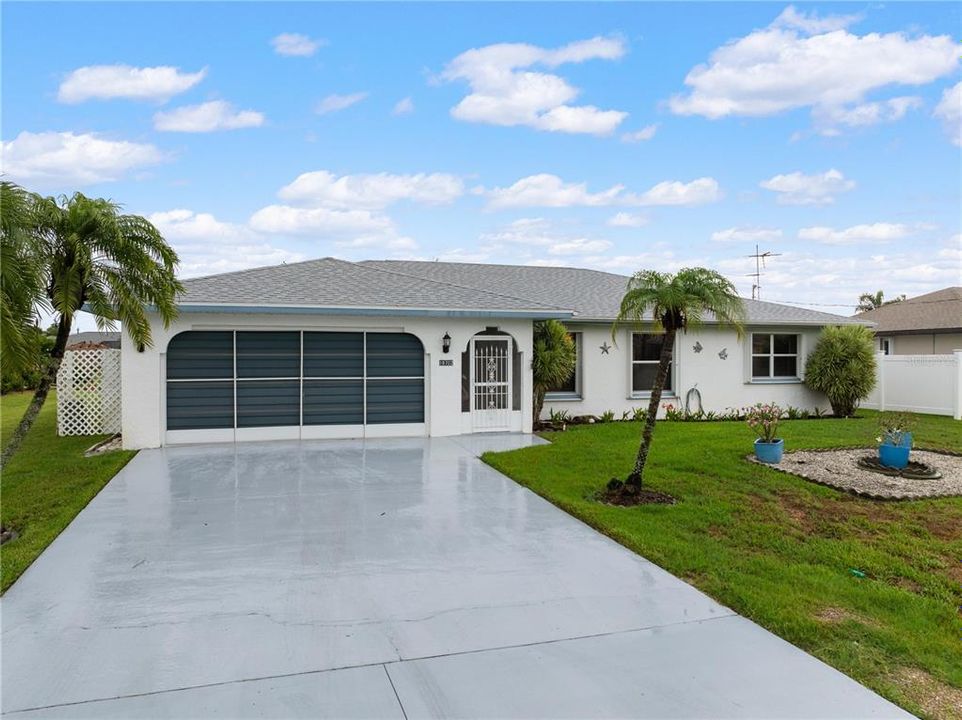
(764,419)
(671,412)
(559,417)
(607,416)
(842,366)
(639,414)
(892,428)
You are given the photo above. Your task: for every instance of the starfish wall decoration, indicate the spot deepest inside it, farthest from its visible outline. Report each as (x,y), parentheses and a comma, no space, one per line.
(605,347)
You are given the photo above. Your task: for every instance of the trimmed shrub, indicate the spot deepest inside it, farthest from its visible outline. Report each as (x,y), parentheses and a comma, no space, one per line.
(843,367)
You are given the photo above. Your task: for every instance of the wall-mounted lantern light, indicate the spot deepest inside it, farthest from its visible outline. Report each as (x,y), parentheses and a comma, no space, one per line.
(446,343)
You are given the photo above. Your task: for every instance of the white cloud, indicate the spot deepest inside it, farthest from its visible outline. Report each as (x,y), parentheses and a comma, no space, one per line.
(811,23)
(379,242)
(834,286)
(871,233)
(746,234)
(336,103)
(664,261)
(404,106)
(580,246)
(105,82)
(799,189)
(624,219)
(505,91)
(672,192)
(949,110)
(207,117)
(64,158)
(871,113)
(802,61)
(207,245)
(287,220)
(545,190)
(295,45)
(324,189)
(646,133)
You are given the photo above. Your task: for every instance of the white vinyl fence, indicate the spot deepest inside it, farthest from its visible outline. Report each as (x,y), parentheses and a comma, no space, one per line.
(88,392)
(918,383)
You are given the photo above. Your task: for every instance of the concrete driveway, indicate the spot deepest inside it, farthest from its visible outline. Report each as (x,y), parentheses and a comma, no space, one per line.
(387,579)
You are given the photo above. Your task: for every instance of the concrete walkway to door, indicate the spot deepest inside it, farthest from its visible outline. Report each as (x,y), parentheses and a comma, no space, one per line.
(383,579)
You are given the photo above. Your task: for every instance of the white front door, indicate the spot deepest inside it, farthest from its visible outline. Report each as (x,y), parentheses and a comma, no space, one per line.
(491,384)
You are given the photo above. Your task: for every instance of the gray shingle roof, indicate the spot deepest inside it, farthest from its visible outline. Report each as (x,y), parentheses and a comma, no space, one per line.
(939,311)
(591,294)
(332,283)
(111,339)
(400,285)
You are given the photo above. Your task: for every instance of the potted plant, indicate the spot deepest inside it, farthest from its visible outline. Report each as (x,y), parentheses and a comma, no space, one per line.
(895,440)
(764,419)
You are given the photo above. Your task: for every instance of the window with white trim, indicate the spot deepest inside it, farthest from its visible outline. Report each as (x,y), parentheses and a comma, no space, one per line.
(571,386)
(774,356)
(645,356)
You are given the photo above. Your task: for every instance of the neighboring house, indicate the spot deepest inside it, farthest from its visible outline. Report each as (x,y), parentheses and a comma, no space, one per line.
(107,339)
(334,349)
(929,324)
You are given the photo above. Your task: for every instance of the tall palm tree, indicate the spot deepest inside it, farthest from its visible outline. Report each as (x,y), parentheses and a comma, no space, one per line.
(871,301)
(21,283)
(553,359)
(95,258)
(671,302)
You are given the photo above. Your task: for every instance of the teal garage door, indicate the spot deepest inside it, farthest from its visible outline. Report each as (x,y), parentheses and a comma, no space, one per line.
(250,379)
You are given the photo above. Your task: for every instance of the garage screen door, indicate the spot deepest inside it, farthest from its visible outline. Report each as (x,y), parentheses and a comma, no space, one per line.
(227,379)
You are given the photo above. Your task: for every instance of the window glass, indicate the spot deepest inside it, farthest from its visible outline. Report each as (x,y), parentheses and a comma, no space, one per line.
(760,366)
(761,343)
(785,366)
(786,344)
(646,354)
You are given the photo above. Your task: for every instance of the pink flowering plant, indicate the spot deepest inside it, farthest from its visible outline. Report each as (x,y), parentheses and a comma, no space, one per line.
(764,419)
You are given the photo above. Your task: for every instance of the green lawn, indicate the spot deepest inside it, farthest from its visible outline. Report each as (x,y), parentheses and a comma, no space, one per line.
(46,483)
(779,549)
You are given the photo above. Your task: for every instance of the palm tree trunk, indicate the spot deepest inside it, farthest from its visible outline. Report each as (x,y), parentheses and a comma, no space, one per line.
(634,480)
(538,404)
(43,389)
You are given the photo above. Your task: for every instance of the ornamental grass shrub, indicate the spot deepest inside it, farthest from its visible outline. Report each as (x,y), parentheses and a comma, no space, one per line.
(842,366)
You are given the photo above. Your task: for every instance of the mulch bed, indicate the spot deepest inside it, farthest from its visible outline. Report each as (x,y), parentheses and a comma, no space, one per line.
(626,498)
(8,534)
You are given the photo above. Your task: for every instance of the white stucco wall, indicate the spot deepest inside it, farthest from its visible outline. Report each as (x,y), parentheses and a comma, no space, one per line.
(606,378)
(144,422)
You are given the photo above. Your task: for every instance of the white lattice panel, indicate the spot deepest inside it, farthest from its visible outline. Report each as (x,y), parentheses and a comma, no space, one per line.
(88,392)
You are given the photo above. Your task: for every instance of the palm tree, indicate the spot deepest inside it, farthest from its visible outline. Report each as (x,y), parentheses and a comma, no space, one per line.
(673,302)
(871,301)
(95,258)
(553,360)
(21,284)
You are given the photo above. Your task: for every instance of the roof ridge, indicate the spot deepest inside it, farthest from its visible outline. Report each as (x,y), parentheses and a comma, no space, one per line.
(266,267)
(454,285)
(504,265)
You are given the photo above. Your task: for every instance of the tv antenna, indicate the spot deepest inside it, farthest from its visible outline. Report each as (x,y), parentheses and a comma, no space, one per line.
(760,258)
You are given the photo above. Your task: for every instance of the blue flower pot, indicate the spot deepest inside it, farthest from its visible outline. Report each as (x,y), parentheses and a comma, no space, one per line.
(894,456)
(906,440)
(769,452)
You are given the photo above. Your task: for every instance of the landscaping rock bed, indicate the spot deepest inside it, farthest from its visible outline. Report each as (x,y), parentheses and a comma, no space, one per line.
(839,469)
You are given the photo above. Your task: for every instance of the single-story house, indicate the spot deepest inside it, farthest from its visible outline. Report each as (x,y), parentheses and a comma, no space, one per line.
(334,349)
(106,339)
(929,324)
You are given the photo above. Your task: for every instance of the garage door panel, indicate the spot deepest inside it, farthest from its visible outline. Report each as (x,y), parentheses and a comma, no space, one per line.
(333,402)
(333,354)
(200,405)
(268,403)
(395,401)
(200,355)
(268,354)
(394,355)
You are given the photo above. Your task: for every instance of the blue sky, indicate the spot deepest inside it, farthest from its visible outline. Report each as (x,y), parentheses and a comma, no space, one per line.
(612,136)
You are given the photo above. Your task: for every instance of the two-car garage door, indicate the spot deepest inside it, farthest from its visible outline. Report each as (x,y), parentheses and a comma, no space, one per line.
(336,382)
